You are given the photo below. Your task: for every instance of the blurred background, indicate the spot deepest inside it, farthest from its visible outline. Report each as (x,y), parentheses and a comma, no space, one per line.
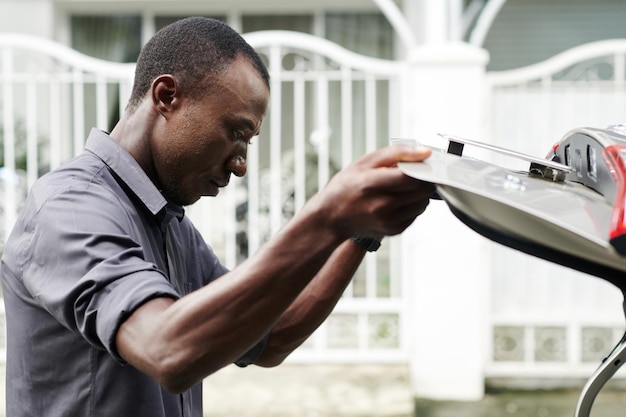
(438,314)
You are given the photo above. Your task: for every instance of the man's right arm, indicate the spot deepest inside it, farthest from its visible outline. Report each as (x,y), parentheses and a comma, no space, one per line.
(178,343)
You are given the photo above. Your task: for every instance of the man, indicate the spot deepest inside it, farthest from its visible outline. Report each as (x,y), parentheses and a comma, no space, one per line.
(112,299)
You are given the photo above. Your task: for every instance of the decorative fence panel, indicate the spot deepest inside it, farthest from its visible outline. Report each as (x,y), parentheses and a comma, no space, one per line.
(549,321)
(329,106)
(50,96)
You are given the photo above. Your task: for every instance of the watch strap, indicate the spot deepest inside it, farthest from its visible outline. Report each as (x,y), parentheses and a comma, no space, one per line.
(368,243)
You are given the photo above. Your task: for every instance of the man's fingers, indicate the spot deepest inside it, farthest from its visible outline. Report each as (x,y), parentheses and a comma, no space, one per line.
(392,180)
(391,155)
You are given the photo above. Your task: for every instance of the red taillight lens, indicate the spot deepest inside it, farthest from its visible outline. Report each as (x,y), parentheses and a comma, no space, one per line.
(615,156)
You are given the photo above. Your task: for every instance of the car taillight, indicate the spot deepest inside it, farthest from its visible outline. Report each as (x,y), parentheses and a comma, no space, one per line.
(615,156)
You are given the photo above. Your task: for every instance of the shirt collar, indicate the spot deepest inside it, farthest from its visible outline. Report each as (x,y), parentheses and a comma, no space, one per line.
(128,170)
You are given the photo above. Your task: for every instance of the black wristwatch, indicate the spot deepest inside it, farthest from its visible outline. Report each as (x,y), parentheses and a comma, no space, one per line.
(368,243)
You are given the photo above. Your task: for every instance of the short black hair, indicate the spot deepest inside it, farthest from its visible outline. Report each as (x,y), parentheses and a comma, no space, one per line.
(193,49)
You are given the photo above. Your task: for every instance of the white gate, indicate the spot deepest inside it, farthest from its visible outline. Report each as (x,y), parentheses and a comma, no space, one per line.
(549,321)
(328,106)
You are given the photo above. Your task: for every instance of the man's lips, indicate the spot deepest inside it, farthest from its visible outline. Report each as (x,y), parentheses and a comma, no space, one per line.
(216,185)
(220,184)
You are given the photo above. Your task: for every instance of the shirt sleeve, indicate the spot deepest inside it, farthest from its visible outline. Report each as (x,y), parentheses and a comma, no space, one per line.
(84,267)
(253,354)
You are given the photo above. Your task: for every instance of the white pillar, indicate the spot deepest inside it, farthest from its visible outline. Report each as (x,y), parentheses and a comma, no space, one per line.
(429,19)
(446,262)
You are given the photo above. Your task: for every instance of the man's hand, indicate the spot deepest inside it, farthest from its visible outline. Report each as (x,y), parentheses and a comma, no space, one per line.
(372,197)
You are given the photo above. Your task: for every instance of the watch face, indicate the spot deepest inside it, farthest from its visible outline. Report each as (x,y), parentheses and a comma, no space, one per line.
(563,220)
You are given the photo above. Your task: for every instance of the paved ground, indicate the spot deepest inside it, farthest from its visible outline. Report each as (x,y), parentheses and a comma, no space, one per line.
(309,391)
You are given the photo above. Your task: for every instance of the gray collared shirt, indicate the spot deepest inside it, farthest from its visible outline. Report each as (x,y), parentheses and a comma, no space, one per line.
(94,241)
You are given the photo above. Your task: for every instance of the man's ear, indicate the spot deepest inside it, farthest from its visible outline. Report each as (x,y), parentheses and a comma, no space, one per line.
(165,94)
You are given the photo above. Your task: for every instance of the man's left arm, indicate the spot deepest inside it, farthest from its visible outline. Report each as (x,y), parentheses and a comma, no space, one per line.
(313,305)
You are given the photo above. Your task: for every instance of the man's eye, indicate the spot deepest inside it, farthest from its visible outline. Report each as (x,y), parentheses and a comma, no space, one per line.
(238,134)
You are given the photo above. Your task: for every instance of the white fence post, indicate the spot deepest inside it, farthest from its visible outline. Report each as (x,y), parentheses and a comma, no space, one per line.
(446,263)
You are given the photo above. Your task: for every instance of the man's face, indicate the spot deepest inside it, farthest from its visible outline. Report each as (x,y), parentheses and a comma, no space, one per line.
(207,139)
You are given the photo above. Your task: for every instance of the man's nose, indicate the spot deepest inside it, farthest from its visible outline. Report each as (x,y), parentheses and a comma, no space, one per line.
(238,165)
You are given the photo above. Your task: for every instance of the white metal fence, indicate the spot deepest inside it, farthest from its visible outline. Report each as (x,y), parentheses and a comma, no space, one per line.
(329,106)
